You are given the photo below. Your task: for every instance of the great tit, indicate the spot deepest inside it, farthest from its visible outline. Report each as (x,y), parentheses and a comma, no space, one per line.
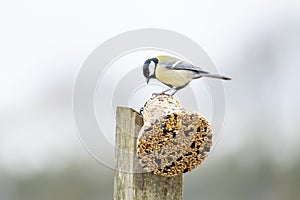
(174,72)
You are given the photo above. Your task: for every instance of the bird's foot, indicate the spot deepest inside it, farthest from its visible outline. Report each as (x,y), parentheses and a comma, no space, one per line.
(161,93)
(164,92)
(155,94)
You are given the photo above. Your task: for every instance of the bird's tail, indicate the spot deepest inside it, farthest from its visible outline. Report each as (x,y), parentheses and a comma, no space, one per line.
(215,76)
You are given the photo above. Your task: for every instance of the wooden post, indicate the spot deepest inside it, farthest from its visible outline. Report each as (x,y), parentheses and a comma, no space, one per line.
(129,185)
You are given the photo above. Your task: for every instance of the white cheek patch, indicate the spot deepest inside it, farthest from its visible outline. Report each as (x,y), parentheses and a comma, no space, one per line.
(151,67)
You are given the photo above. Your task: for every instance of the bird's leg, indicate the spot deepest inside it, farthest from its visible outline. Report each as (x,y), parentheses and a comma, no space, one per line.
(174,92)
(163,92)
(178,88)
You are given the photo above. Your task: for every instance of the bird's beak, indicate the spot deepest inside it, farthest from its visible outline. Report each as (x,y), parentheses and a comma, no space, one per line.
(148,79)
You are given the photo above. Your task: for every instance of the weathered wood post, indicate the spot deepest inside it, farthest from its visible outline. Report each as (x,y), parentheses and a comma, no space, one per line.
(129,185)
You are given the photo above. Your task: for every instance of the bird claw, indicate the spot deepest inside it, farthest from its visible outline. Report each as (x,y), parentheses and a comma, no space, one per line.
(164,93)
(156,94)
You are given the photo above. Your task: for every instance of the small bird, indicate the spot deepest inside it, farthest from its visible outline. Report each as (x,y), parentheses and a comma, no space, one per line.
(174,72)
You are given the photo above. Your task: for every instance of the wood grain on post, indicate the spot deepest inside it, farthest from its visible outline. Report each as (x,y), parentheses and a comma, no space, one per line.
(129,185)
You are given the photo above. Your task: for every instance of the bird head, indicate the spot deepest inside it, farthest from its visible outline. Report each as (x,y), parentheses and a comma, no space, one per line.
(149,68)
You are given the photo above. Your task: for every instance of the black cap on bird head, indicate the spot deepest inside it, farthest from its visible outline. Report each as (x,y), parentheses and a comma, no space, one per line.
(146,69)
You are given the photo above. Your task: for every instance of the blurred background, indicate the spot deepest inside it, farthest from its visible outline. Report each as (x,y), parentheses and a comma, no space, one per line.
(43,45)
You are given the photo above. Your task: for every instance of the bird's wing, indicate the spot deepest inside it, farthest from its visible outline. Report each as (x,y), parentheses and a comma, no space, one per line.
(187,66)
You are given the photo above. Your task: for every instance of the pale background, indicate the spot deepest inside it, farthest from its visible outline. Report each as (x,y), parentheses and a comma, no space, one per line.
(43,45)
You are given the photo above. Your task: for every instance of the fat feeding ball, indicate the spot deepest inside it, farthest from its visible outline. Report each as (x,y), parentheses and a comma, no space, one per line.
(173,140)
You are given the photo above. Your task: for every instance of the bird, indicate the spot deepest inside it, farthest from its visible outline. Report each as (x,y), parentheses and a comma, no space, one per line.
(174,72)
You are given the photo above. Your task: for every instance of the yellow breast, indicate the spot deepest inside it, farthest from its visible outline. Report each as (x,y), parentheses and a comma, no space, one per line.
(177,78)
